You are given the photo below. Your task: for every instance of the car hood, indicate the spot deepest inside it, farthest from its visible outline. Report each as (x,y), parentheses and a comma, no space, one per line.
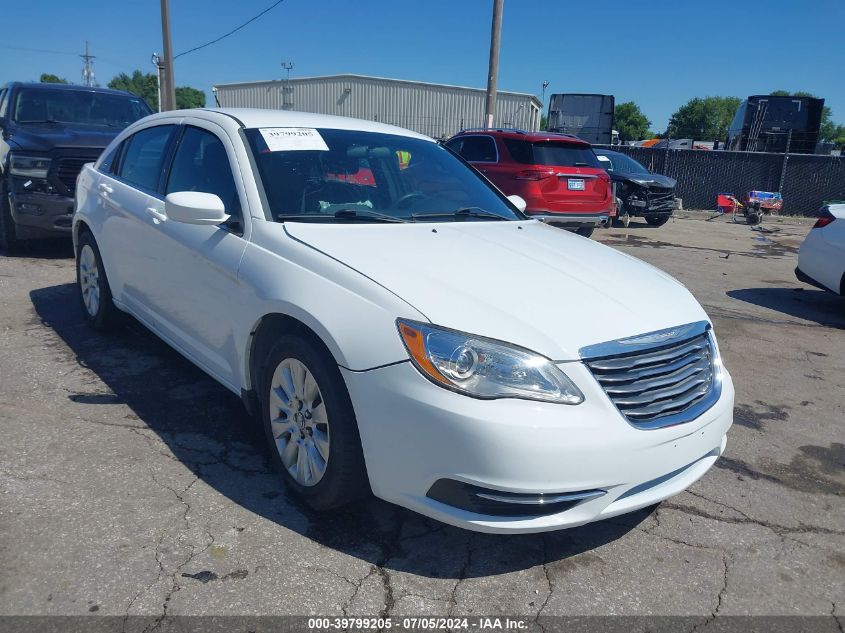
(523,282)
(646,180)
(45,137)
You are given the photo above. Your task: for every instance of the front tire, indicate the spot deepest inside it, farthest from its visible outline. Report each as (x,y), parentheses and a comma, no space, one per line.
(94,291)
(310,425)
(9,241)
(656,220)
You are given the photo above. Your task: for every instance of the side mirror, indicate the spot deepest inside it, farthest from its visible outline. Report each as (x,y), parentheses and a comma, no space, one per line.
(518,202)
(195,207)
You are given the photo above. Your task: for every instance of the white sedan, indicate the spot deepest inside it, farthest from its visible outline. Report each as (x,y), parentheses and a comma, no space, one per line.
(396,323)
(821,260)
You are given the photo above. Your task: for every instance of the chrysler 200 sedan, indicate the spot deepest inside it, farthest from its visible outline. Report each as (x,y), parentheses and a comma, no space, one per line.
(396,322)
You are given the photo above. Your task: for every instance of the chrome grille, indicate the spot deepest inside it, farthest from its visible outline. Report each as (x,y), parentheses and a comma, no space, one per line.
(658,379)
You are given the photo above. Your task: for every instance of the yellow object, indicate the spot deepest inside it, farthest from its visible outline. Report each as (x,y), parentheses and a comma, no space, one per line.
(403,157)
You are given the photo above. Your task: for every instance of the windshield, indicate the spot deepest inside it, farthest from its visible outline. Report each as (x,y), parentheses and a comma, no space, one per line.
(84,107)
(326,175)
(623,163)
(556,154)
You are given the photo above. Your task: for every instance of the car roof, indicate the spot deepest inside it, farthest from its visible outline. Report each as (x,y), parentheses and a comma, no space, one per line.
(522,135)
(77,87)
(258,117)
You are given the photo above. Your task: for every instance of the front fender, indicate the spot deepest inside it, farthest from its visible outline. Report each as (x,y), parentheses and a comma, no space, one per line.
(354,316)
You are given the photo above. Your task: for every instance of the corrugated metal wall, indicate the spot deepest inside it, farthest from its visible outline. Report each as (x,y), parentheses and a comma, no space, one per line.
(435,110)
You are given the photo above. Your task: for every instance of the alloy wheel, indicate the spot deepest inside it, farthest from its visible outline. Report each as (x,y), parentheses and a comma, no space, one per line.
(89,280)
(299,422)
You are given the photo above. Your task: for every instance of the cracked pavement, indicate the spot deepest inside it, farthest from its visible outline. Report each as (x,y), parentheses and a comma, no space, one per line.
(132,484)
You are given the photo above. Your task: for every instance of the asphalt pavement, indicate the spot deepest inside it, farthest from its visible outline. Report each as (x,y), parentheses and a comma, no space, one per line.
(133,484)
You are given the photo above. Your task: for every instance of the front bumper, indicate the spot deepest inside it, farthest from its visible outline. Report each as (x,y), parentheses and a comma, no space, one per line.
(570,220)
(415,433)
(41,215)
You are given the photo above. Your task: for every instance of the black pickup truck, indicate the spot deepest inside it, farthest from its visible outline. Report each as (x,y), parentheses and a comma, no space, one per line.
(47,133)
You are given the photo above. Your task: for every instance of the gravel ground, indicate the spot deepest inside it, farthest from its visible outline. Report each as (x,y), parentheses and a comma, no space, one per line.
(131,483)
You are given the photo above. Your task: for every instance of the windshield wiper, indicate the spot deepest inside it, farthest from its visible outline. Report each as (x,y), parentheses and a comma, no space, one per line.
(342,214)
(38,121)
(356,214)
(463,212)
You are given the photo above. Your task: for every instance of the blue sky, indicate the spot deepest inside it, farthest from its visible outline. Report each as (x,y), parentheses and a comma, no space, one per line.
(658,53)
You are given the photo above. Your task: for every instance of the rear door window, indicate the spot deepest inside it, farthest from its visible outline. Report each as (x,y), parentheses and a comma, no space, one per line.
(476,149)
(143,161)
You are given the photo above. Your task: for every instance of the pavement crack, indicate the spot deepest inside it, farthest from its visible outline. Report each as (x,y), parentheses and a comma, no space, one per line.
(453,596)
(549,582)
(836,617)
(778,529)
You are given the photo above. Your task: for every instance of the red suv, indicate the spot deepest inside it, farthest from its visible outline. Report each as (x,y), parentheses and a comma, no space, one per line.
(558,175)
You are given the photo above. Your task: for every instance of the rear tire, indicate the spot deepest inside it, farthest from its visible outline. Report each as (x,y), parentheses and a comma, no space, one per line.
(94,291)
(586,231)
(310,425)
(9,241)
(656,220)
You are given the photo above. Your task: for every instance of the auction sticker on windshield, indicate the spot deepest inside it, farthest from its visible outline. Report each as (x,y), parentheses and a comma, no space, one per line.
(291,139)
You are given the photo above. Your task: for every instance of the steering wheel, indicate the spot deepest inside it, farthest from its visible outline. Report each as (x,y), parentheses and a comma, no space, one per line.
(408,196)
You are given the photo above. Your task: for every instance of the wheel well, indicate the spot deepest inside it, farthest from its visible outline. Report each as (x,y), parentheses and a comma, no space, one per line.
(271,327)
(78,230)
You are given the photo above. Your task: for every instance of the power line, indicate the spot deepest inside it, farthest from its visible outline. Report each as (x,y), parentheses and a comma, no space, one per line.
(36,50)
(235,30)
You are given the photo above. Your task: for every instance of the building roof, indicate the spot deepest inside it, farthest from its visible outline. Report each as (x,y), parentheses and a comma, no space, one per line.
(369,77)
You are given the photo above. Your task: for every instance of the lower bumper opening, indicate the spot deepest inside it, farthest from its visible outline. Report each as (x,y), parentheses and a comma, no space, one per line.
(497,503)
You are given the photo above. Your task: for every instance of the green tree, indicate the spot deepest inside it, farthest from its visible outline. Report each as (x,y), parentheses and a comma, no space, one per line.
(544,123)
(705,118)
(187,97)
(47,78)
(828,131)
(630,122)
(144,85)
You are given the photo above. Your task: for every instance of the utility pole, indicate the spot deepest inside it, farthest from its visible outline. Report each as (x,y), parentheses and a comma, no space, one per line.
(543,111)
(156,60)
(286,90)
(88,67)
(168,83)
(493,71)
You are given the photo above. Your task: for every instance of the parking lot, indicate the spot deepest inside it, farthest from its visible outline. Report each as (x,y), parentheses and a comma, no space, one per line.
(132,483)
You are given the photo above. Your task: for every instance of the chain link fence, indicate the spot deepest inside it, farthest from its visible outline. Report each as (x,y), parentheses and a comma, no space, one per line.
(805,181)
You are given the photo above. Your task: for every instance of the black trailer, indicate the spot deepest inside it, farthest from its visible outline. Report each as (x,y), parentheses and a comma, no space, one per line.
(587,116)
(766,123)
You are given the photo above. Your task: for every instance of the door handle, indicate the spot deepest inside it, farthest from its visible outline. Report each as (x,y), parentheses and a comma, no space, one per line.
(104,188)
(156,215)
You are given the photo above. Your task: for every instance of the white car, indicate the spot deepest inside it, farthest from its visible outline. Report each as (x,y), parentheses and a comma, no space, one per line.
(821,259)
(397,324)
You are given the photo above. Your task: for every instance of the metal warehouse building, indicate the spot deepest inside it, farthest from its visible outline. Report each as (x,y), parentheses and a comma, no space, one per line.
(434,109)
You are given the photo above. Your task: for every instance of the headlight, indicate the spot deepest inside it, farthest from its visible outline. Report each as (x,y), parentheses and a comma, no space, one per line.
(484,368)
(29,166)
